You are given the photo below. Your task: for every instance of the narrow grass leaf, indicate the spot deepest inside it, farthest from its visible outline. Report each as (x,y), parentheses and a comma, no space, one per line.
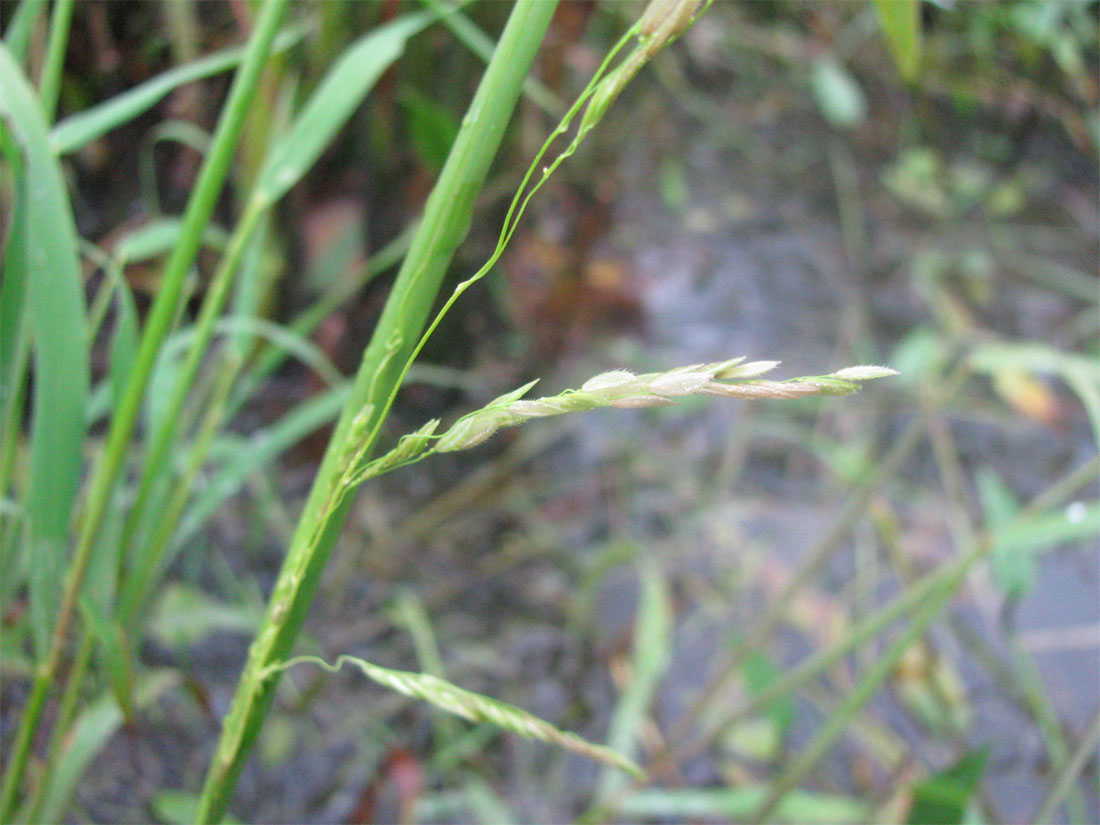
(482,45)
(900,20)
(945,797)
(652,644)
(184,616)
(432,128)
(117,656)
(17,37)
(13,287)
(124,342)
(338,96)
(1046,531)
(91,731)
(158,237)
(179,807)
(55,307)
(472,707)
(859,695)
(80,129)
(244,458)
(737,804)
(1013,571)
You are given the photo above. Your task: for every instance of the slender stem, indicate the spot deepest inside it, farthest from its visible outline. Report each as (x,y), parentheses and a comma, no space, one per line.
(946,583)
(446,220)
(65,714)
(165,434)
(101,486)
(1070,770)
(1024,674)
(838,721)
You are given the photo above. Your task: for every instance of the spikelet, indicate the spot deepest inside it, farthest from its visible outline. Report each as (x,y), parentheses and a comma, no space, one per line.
(622,389)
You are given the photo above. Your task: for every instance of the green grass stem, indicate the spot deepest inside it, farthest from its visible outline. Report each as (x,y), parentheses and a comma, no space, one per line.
(446,220)
(1067,774)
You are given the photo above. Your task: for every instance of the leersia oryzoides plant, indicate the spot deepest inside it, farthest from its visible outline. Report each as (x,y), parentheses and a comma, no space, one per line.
(396,341)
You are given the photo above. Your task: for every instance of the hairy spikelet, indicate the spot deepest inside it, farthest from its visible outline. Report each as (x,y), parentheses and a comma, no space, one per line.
(475,707)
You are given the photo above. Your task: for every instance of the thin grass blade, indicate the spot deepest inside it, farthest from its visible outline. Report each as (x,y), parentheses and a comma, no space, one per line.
(55,319)
(652,643)
(92,730)
(77,131)
(17,37)
(338,96)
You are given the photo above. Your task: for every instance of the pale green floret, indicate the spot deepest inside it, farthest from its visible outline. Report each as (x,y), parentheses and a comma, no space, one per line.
(467,432)
(607,380)
(634,401)
(514,395)
(682,383)
(749,370)
(413,444)
(864,373)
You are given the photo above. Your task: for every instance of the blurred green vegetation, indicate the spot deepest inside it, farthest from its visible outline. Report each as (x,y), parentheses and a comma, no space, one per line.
(879,609)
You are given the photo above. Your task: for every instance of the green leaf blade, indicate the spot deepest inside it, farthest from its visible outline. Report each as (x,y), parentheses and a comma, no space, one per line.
(56,322)
(339,94)
(900,20)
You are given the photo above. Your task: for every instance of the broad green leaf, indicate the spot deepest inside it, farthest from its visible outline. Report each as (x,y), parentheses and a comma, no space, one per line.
(55,319)
(487,806)
(1080,372)
(338,96)
(80,129)
(943,799)
(760,673)
(900,20)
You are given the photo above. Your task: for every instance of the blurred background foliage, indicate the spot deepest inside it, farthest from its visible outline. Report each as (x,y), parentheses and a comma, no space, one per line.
(882,608)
